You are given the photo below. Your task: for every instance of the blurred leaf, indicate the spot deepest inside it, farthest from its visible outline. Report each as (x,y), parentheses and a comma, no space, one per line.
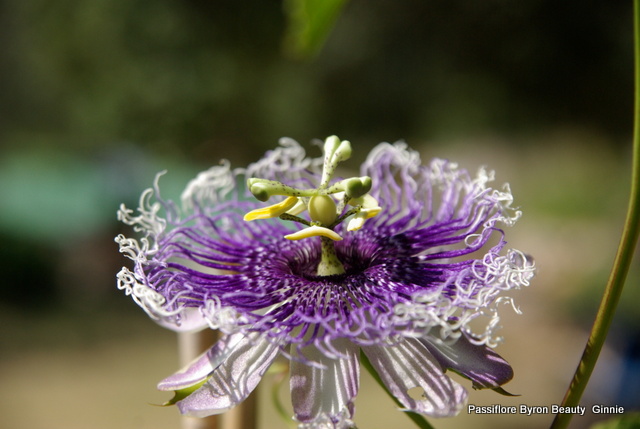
(280,372)
(629,421)
(310,22)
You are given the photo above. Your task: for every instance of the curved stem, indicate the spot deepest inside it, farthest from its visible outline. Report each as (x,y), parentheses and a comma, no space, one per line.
(622,262)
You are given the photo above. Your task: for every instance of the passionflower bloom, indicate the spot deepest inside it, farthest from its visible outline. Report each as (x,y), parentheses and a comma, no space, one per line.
(404,265)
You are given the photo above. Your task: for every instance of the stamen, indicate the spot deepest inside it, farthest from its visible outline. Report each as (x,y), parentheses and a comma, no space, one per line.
(314,231)
(324,213)
(366,201)
(369,208)
(358,220)
(298,208)
(272,211)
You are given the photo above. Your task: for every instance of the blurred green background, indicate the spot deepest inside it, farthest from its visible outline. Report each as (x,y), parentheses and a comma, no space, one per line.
(97,96)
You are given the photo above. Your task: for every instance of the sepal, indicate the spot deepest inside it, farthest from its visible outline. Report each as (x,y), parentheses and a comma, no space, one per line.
(180,394)
(503,392)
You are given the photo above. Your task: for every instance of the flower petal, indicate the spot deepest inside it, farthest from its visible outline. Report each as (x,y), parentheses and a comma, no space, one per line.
(321,393)
(202,366)
(233,380)
(407,365)
(480,364)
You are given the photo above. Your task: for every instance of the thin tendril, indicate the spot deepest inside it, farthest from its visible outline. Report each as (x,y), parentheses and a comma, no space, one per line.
(622,262)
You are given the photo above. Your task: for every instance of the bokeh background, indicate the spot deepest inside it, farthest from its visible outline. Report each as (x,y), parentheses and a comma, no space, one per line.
(96,97)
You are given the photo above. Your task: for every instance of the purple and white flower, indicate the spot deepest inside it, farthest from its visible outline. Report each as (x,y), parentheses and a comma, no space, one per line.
(405,264)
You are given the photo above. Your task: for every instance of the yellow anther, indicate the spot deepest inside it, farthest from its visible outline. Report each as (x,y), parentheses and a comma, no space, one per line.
(371,212)
(358,220)
(298,208)
(271,211)
(314,231)
(366,201)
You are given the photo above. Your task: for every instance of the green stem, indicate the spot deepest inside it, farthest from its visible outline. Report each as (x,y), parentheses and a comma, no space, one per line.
(351,212)
(329,263)
(420,421)
(623,259)
(292,218)
(279,378)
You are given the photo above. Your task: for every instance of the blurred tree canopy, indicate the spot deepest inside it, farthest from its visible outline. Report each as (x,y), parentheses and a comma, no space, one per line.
(97,96)
(186,77)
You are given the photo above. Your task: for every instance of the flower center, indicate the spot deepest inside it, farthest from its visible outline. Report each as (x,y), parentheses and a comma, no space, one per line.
(327,205)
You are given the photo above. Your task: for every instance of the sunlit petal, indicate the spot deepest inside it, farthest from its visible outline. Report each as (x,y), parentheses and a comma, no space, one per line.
(416,379)
(328,390)
(479,363)
(232,381)
(202,366)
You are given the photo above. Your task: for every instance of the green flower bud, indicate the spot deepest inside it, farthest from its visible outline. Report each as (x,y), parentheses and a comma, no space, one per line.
(259,190)
(331,144)
(356,187)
